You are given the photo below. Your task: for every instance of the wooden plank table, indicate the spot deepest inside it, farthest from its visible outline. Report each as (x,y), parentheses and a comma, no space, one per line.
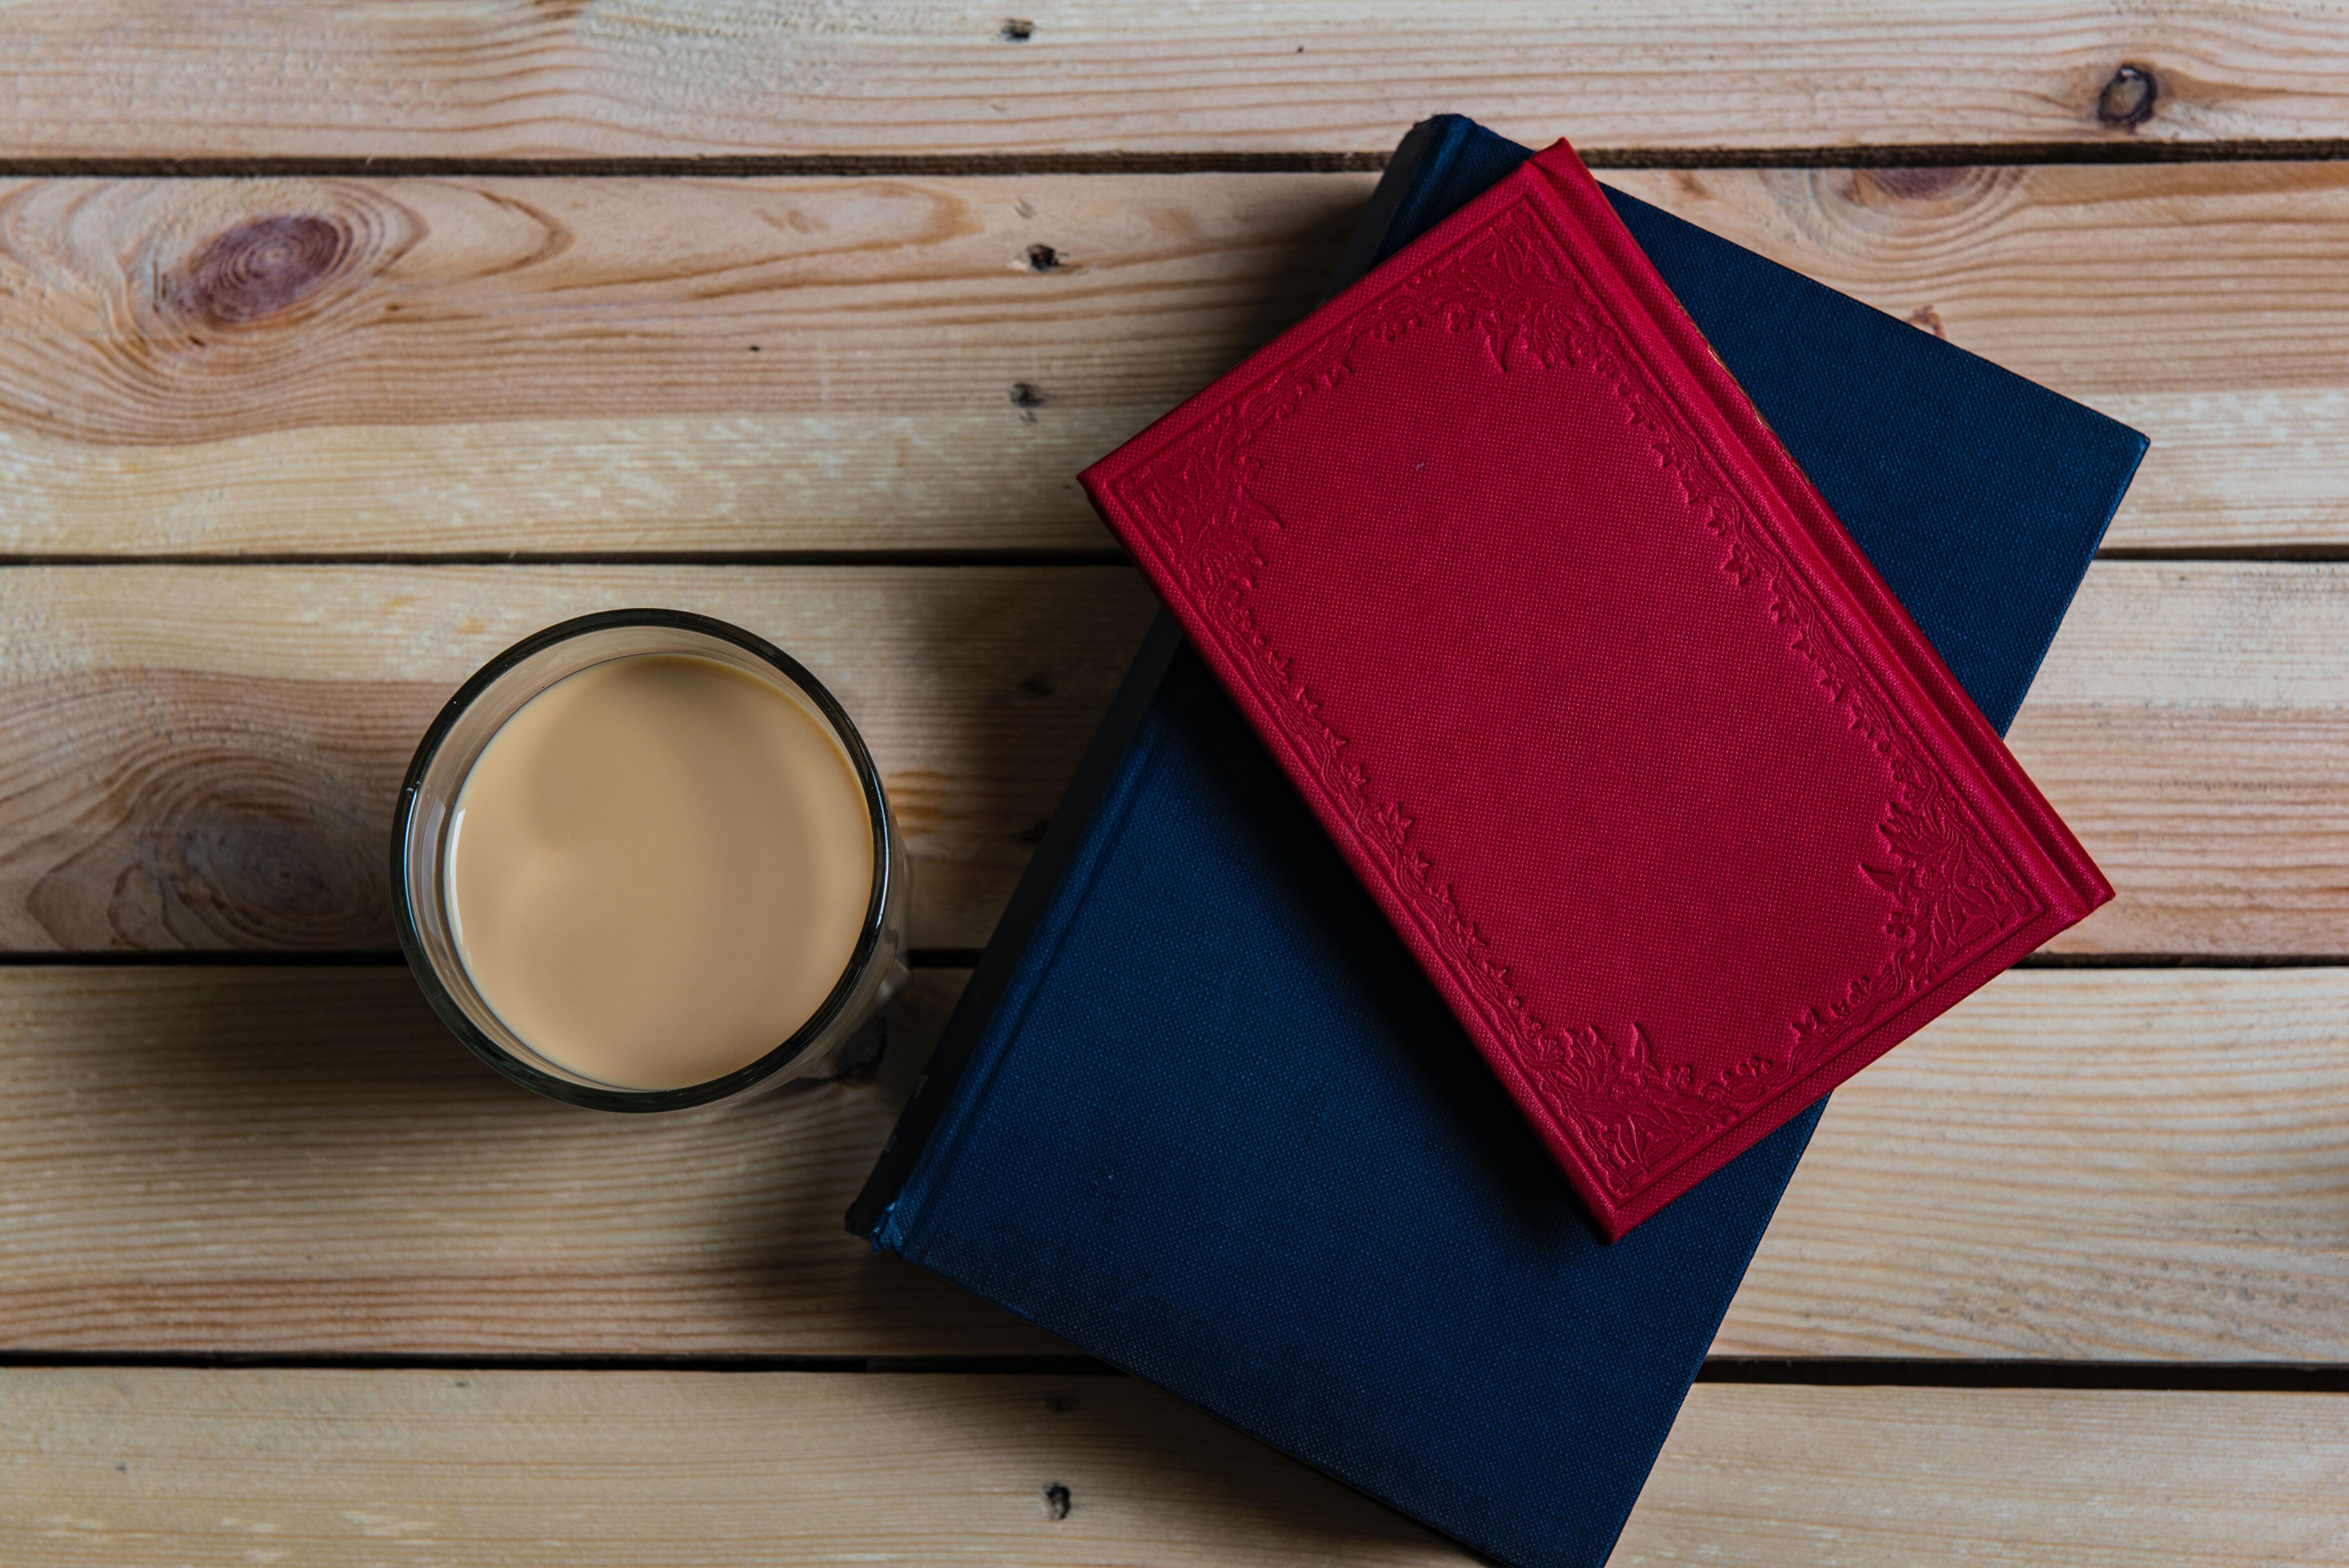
(340,344)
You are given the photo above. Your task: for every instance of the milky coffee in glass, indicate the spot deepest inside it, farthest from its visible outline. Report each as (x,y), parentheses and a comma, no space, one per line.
(658,868)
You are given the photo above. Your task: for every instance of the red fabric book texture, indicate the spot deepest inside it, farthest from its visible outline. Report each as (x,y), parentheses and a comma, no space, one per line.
(1677,807)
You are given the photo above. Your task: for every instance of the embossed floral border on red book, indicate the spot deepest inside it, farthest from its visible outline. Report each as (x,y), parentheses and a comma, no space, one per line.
(1542,268)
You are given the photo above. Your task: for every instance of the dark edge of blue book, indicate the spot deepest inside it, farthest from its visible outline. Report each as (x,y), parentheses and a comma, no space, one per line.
(1263,1169)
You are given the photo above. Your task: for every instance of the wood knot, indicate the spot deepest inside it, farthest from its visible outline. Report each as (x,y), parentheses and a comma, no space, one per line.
(1056,1501)
(2128,98)
(1918,183)
(248,273)
(1017,30)
(1042,258)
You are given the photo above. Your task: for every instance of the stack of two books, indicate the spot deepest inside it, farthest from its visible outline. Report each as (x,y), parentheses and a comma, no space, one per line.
(1584,755)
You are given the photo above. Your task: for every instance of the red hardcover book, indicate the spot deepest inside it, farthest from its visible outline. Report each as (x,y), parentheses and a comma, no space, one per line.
(1658,780)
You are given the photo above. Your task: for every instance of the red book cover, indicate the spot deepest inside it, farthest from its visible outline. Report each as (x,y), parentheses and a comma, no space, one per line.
(1679,811)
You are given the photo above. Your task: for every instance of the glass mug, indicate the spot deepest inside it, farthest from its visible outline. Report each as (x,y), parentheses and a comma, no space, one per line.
(422,825)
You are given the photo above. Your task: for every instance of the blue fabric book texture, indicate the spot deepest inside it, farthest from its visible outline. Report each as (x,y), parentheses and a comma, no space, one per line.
(1198,1111)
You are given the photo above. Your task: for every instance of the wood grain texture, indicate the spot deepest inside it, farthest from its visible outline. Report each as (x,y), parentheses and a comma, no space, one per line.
(2191,723)
(662,365)
(128,1468)
(1838,1478)
(2196,304)
(2118,1165)
(274,1159)
(2082,1165)
(208,757)
(668,77)
(428,365)
(2115,1165)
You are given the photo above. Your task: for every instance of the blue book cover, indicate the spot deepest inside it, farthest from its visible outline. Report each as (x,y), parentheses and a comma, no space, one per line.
(1200,1114)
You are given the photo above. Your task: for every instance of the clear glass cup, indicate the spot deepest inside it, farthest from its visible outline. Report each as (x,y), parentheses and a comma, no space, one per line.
(420,860)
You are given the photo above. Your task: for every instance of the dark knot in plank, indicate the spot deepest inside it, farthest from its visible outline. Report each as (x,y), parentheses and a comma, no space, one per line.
(254,271)
(2128,98)
(1926,182)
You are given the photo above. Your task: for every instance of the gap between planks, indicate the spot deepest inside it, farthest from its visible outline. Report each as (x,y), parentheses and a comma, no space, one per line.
(1825,1372)
(1016,166)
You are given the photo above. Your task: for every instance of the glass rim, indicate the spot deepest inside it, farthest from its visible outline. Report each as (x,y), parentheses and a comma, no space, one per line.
(606,1097)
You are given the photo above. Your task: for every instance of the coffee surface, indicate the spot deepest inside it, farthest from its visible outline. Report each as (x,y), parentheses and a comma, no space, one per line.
(658,869)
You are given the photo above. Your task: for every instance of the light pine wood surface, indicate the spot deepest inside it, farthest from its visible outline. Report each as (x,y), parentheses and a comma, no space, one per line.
(303,1160)
(927,78)
(804,314)
(186,1467)
(2081,1165)
(2084,1165)
(471,365)
(2191,723)
(206,757)
(618,364)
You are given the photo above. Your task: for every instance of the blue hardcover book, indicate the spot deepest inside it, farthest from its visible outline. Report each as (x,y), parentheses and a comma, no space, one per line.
(1199,1112)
